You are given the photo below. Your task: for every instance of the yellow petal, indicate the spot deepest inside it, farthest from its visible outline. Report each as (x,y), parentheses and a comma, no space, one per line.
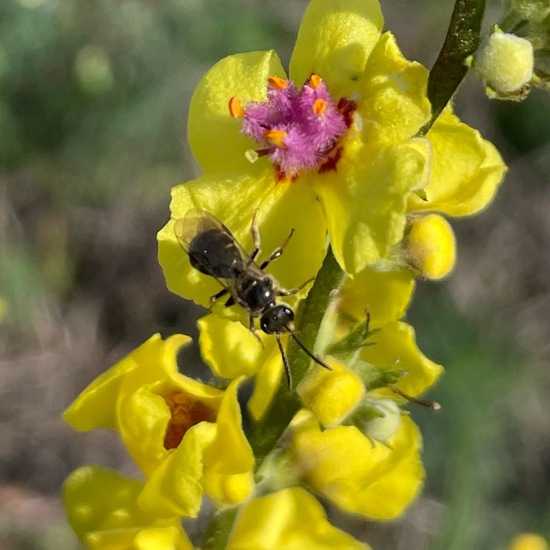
(214,135)
(234,199)
(102,509)
(466,170)
(393,104)
(174,488)
(96,406)
(230,436)
(227,490)
(291,519)
(334,41)
(231,349)
(268,381)
(157,538)
(365,201)
(142,421)
(386,294)
(378,481)
(167,538)
(394,347)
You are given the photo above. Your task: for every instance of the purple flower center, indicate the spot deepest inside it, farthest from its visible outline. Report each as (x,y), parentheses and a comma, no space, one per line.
(297,128)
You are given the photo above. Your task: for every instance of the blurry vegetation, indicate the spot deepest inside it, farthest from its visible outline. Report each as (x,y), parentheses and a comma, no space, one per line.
(93,106)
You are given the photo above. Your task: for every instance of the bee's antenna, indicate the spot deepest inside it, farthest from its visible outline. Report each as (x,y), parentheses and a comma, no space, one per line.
(285,360)
(314,357)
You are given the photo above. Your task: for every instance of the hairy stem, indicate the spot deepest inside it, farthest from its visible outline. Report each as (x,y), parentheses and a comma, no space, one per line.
(268,430)
(450,67)
(219,529)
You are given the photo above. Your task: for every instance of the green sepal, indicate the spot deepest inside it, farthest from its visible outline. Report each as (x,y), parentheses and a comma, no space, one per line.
(358,338)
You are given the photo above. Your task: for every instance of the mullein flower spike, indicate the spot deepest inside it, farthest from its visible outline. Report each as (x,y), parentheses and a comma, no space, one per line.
(332,154)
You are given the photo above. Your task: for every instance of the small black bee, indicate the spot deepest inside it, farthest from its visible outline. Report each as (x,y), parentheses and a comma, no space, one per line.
(214,251)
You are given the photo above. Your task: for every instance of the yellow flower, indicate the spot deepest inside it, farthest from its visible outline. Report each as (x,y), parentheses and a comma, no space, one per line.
(358,475)
(178,430)
(392,344)
(528,541)
(291,519)
(367,164)
(103,511)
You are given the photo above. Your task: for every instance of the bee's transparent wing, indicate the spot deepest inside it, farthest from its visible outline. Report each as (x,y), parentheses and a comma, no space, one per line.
(211,247)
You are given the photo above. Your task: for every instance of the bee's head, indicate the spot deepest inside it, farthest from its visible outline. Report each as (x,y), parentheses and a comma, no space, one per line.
(277,319)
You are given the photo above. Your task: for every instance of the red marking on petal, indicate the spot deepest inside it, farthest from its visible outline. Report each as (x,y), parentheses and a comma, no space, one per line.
(346,108)
(332,160)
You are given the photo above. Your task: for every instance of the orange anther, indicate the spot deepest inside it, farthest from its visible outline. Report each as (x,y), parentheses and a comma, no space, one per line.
(315,80)
(277,82)
(235,107)
(276,137)
(319,106)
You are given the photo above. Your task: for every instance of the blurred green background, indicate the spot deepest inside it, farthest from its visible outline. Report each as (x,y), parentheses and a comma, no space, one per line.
(93,106)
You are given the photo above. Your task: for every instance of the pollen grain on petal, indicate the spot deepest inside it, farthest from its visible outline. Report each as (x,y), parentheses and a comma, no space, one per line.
(277,82)
(235,107)
(276,137)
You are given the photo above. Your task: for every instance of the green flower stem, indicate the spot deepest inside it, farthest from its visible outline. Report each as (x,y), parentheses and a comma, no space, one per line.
(267,432)
(270,428)
(219,529)
(450,67)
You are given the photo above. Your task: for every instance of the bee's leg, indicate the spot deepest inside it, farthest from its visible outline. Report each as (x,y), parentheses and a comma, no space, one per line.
(230,301)
(277,252)
(217,296)
(255,237)
(253,329)
(291,291)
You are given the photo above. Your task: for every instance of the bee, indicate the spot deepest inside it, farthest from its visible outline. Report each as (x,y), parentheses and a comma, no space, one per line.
(214,251)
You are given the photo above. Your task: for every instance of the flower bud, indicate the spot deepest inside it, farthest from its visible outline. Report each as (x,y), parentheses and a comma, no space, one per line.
(505,64)
(430,246)
(531,10)
(331,395)
(377,418)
